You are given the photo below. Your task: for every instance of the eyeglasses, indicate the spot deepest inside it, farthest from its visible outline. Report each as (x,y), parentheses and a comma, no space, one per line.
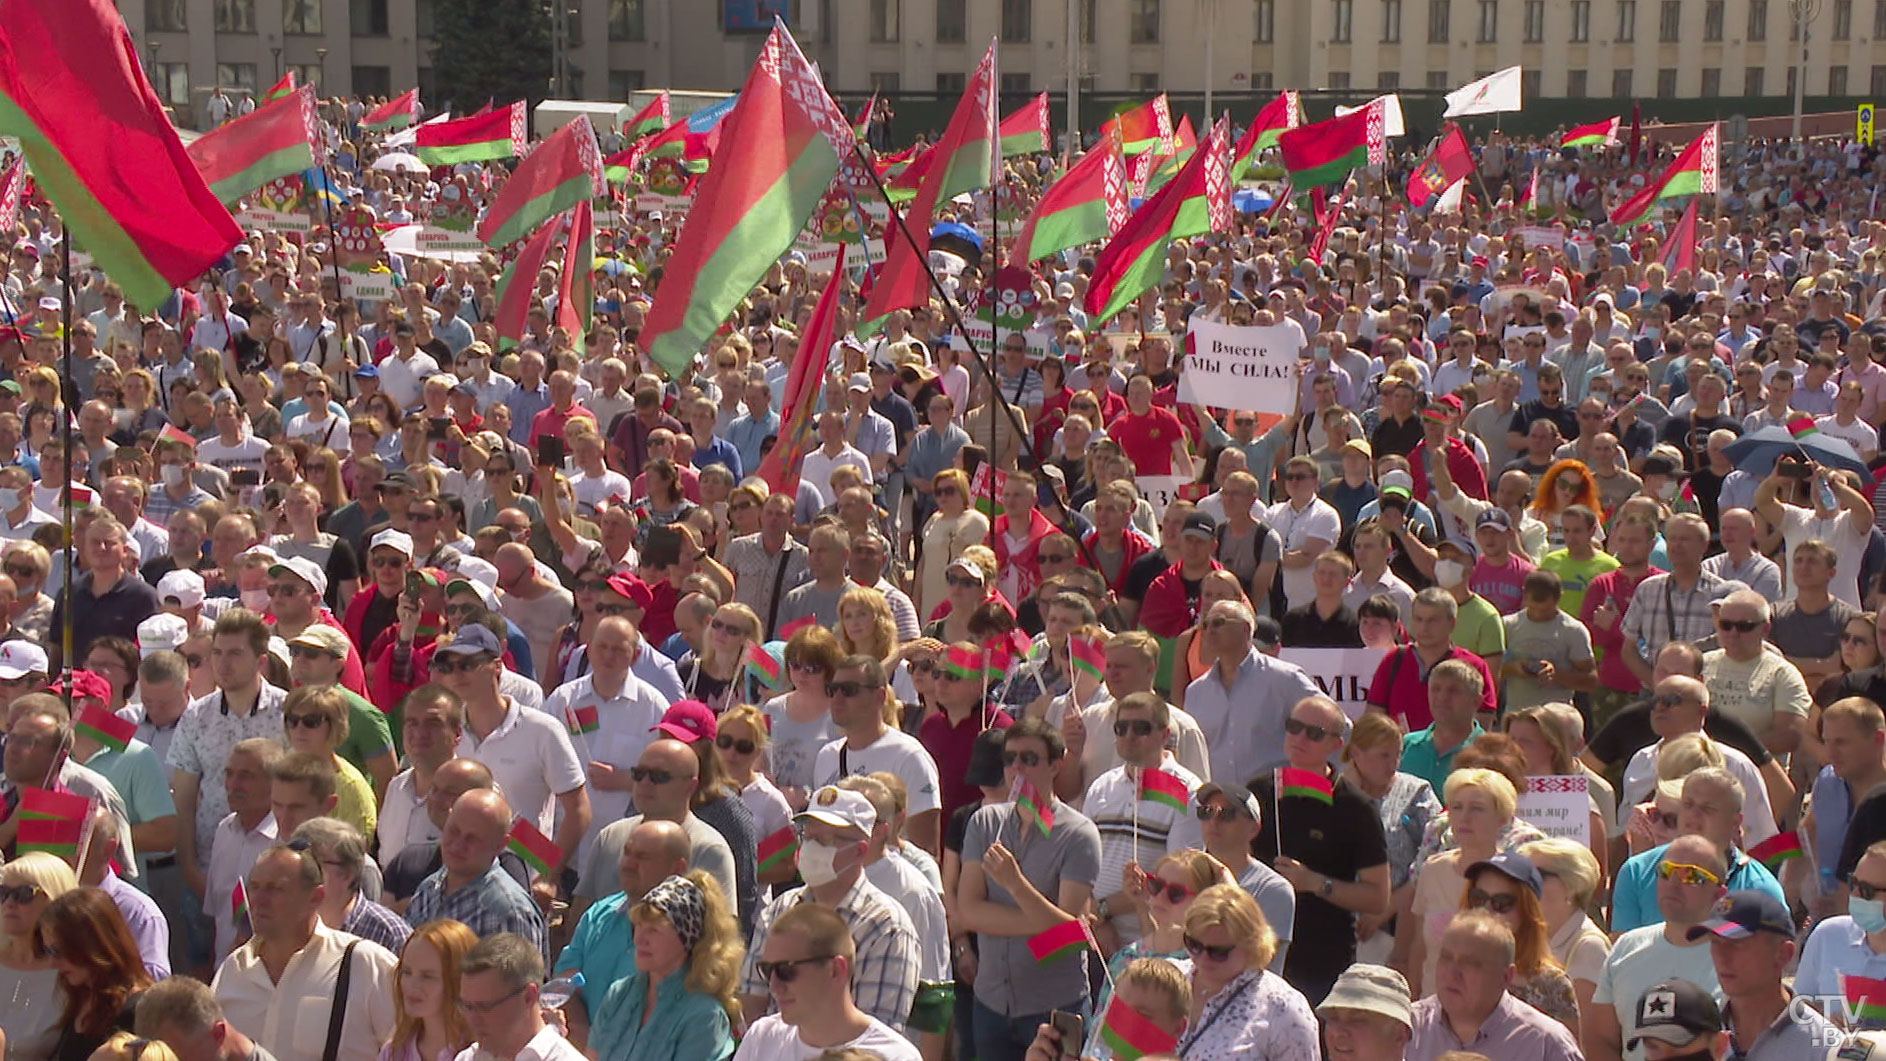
(963,582)
(1026,758)
(445,665)
(1863,890)
(722,627)
(787,971)
(944,491)
(1138,727)
(1304,729)
(482,1008)
(922,666)
(304,721)
(1297,477)
(729,744)
(847,690)
(284,589)
(1219,814)
(20,894)
(1499,904)
(805,668)
(1740,626)
(1177,893)
(460,609)
(653,777)
(1200,950)
(388,561)
(1684,873)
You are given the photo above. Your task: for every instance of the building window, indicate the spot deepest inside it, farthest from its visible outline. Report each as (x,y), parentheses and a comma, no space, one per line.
(1620,83)
(1014,84)
(1267,21)
(173,83)
(1531,84)
(1666,82)
(1836,81)
(1262,82)
(622,83)
(1090,17)
(1439,13)
(1712,81)
(1758,20)
(1489,28)
(626,21)
(885,81)
(1438,79)
(1388,80)
(1843,20)
(1391,21)
(1577,83)
(301,18)
(1877,79)
(425,18)
(884,17)
(1627,21)
(1144,82)
(367,17)
(164,15)
(1018,20)
(1752,81)
(1670,21)
(1342,31)
(1879,20)
(235,16)
(233,77)
(1581,21)
(952,21)
(307,74)
(373,81)
(1712,20)
(1144,15)
(1339,79)
(951,84)
(1535,21)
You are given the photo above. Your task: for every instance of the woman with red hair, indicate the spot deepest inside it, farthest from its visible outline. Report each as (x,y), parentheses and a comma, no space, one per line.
(1564,484)
(99,967)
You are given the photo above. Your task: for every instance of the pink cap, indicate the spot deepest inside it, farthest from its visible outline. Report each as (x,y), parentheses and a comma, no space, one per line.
(688,721)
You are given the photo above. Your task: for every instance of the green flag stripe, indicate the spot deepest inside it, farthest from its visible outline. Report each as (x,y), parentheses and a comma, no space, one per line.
(1028,143)
(286,162)
(1332,172)
(453,154)
(1146,270)
(1078,224)
(547,205)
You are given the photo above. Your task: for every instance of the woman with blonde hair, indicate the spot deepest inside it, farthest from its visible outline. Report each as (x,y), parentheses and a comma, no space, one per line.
(138,391)
(124,1046)
(1541,738)
(866,626)
(315,721)
(1480,805)
(429,1024)
(1162,899)
(717,675)
(1564,484)
(680,1003)
(1510,887)
(1404,802)
(801,720)
(954,527)
(741,742)
(28,977)
(1571,878)
(1240,1010)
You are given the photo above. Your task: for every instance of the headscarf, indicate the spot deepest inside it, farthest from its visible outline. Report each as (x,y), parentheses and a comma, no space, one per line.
(680,901)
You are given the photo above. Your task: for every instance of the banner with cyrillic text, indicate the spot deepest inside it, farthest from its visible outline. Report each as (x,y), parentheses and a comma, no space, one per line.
(1558,805)
(1249,368)
(1343,674)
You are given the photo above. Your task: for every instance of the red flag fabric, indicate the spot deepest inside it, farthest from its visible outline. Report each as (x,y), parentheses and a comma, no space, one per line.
(555,176)
(12,183)
(397,113)
(1681,250)
(517,284)
(1448,162)
(780,468)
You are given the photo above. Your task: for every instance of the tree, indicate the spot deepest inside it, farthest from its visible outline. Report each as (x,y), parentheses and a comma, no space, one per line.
(490,50)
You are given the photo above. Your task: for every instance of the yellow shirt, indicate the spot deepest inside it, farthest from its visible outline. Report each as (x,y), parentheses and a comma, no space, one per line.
(355,806)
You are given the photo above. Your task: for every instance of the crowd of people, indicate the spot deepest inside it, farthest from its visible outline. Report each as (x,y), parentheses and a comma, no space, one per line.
(431,696)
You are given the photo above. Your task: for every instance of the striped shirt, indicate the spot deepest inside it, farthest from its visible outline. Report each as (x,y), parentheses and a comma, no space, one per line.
(1137,830)
(884,977)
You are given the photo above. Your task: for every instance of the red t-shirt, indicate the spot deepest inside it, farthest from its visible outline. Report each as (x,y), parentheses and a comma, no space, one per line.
(1401,685)
(951,747)
(1147,439)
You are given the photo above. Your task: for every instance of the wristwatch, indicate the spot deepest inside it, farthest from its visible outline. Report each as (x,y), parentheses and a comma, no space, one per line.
(1329,885)
(1105,909)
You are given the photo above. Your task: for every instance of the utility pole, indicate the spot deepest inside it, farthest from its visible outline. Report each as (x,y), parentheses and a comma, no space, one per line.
(559,49)
(1804,12)
(1073,77)
(1211,51)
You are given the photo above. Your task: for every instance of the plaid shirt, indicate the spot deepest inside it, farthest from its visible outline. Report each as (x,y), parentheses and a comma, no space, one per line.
(370,920)
(1662,612)
(491,904)
(884,983)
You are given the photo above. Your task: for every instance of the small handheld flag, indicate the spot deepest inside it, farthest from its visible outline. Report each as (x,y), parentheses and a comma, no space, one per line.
(1087,654)
(1777,850)
(173,433)
(99,724)
(1131,1035)
(1307,783)
(1031,806)
(239,903)
(764,667)
(582,720)
(538,851)
(779,849)
(1866,998)
(1158,786)
(801,623)
(964,663)
(1068,937)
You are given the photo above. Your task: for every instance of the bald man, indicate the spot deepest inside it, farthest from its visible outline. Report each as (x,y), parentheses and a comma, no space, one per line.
(665,779)
(470,887)
(408,869)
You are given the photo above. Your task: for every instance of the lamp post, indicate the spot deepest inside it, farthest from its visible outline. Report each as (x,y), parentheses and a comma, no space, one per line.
(1211,49)
(276,51)
(1073,76)
(1804,12)
(320,60)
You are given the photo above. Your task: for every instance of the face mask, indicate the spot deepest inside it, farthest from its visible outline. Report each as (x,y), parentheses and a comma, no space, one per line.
(1667,490)
(1449,573)
(9,499)
(256,600)
(1868,914)
(173,474)
(818,863)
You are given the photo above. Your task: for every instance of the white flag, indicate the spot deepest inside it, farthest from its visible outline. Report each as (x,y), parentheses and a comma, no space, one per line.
(1493,94)
(1449,202)
(410,134)
(1392,125)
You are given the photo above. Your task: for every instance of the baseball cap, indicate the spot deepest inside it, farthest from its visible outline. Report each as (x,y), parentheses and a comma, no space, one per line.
(1268,633)
(1199,525)
(860,381)
(1741,914)
(477,570)
(323,638)
(474,587)
(1371,989)
(473,638)
(633,589)
(397,540)
(304,569)
(20,658)
(400,480)
(86,685)
(1446,404)
(1494,517)
(160,633)
(185,587)
(1397,490)
(367,372)
(688,721)
(840,807)
(1514,865)
(968,567)
(1675,1012)
(1239,796)
(1480,260)
(260,552)
(1398,478)
(1356,445)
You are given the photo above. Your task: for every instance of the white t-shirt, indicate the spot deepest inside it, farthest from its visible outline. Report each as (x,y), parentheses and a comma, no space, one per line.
(1844,532)
(895,752)
(246,453)
(772,1039)
(1318,520)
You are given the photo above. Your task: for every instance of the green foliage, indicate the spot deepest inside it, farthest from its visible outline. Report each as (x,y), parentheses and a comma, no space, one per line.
(490,50)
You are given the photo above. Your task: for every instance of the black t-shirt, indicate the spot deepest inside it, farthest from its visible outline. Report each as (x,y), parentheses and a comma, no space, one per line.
(1629,730)
(1339,840)
(1563,415)
(1304,628)
(1870,683)
(1866,828)
(1142,573)
(1397,438)
(898,410)
(1691,434)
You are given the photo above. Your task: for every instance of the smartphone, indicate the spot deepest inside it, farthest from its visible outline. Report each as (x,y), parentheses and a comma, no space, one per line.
(244,477)
(1072,1030)
(662,547)
(550,451)
(1789,469)
(415,584)
(436,428)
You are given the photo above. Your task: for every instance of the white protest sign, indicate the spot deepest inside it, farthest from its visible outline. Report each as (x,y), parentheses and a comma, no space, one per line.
(1241,368)
(1159,491)
(1541,235)
(1558,805)
(1343,674)
(822,256)
(982,333)
(369,287)
(275,220)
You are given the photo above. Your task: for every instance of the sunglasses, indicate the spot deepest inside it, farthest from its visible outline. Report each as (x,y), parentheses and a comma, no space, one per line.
(1219,814)
(729,744)
(15,571)
(1199,950)
(1298,477)
(1683,873)
(944,491)
(806,668)
(20,894)
(1304,729)
(447,666)
(304,721)
(722,627)
(1138,727)
(964,582)
(922,666)
(656,777)
(1740,626)
(1177,893)
(787,971)
(847,690)
(1025,758)
(1478,899)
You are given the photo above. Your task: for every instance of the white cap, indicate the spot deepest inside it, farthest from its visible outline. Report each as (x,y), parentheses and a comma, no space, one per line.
(859,382)
(185,586)
(477,569)
(393,539)
(260,552)
(1398,478)
(304,569)
(20,658)
(162,632)
(840,807)
(279,649)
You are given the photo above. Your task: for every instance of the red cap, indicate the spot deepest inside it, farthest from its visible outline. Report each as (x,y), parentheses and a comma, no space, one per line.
(1480,260)
(633,589)
(86,685)
(688,721)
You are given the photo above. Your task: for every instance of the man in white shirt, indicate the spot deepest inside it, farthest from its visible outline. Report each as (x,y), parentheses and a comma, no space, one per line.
(499,982)
(431,724)
(403,374)
(1680,706)
(1840,515)
(857,691)
(243,834)
(1309,527)
(19,517)
(612,713)
(284,987)
(833,452)
(807,962)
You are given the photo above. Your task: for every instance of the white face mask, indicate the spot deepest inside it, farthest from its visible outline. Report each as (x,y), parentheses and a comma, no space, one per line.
(1667,489)
(9,499)
(818,863)
(173,474)
(256,600)
(1449,573)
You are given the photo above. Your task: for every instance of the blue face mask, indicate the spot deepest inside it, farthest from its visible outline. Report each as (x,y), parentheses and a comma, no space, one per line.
(1868,914)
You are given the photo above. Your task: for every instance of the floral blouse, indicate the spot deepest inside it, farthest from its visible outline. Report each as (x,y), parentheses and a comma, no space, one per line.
(1257,1017)
(1550,992)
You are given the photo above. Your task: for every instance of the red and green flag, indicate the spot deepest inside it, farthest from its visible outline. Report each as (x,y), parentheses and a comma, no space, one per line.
(1033,806)
(792,138)
(1778,849)
(282,88)
(12,190)
(1161,167)
(518,285)
(1693,173)
(1088,654)
(1141,127)
(781,466)
(1088,203)
(1866,998)
(102,149)
(965,158)
(479,138)
(997,657)
(1597,134)
(559,173)
(538,851)
(395,114)
(576,286)
(650,119)
(1131,1035)
(1324,152)
(1281,114)
(762,665)
(1680,249)
(1449,161)
(1025,132)
(99,724)
(1306,783)
(862,126)
(1064,939)
(582,720)
(779,849)
(273,141)
(239,904)
(1158,786)
(53,822)
(1196,201)
(617,168)
(964,663)
(804,622)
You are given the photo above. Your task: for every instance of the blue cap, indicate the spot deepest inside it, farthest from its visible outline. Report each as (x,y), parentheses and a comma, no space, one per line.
(1514,865)
(1741,914)
(473,638)
(367,372)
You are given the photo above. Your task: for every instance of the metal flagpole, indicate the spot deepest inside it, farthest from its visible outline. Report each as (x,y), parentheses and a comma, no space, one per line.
(71,572)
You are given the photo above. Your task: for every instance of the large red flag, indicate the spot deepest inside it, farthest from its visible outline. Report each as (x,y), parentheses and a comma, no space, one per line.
(1681,251)
(1448,162)
(780,467)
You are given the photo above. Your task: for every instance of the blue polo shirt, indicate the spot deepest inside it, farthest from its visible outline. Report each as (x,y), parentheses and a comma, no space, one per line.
(1421,758)
(1634,900)
(602,948)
